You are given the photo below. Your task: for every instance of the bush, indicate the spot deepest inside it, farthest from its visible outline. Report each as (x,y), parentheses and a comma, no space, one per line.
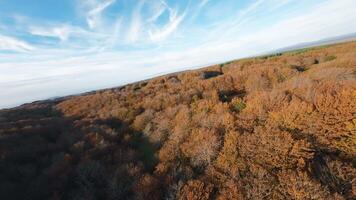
(90,180)
(196,190)
(330,58)
(201,147)
(147,188)
(281,78)
(227,161)
(142,120)
(300,68)
(238,105)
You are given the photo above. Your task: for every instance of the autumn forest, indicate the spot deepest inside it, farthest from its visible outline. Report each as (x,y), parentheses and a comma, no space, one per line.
(280,126)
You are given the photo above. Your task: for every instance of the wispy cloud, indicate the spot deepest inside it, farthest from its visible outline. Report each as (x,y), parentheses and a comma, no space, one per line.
(203,3)
(280,3)
(170,26)
(61,32)
(168,29)
(96,8)
(113,38)
(13,44)
(157,12)
(134,30)
(141,39)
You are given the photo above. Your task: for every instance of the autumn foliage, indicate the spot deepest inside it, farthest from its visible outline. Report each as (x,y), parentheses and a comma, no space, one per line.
(273,127)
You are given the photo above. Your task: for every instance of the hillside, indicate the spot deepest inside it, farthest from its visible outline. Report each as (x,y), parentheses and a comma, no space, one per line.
(281,126)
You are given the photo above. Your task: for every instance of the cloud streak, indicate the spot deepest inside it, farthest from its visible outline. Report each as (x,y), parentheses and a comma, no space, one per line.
(133,33)
(169,28)
(13,44)
(94,14)
(147,38)
(60,32)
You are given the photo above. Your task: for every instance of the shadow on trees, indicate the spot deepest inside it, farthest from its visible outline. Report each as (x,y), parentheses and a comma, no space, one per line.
(44,155)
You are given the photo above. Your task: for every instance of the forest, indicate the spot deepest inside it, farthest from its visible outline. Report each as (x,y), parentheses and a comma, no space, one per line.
(280,126)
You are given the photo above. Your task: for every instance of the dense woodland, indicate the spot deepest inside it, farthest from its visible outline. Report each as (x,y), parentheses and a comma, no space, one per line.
(281,126)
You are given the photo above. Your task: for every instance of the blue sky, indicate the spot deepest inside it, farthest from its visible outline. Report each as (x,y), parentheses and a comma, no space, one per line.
(52,48)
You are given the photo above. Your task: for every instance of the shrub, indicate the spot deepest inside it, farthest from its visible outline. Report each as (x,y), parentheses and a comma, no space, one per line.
(257,81)
(227,161)
(210,74)
(90,180)
(230,191)
(270,56)
(237,105)
(196,190)
(300,68)
(147,188)
(201,147)
(330,58)
(142,120)
(281,78)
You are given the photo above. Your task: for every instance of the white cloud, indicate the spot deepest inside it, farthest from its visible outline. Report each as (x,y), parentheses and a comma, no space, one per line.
(134,31)
(94,14)
(170,27)
(13,44)
(35,76)
(311,26)
(61,32)
(112,40)
(157,12)
(279,3)
(203,3)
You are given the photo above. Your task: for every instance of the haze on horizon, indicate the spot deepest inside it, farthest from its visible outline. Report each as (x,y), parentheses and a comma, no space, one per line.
(56,48)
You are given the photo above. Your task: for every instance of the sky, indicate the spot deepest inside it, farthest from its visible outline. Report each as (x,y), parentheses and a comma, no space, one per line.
(52,48)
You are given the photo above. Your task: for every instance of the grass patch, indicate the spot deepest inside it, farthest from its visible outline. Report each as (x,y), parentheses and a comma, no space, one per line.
(270,56)
(299,51)
(281,78)
(330,58)
(226,63)
(146,150)
(238,105)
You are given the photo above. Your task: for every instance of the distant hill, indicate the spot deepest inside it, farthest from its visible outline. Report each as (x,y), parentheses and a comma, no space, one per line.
(278,126)
(327,41)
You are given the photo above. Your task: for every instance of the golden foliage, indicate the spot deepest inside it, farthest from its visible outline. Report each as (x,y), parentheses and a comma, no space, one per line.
(195,190)
(201,147)
(281,126)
